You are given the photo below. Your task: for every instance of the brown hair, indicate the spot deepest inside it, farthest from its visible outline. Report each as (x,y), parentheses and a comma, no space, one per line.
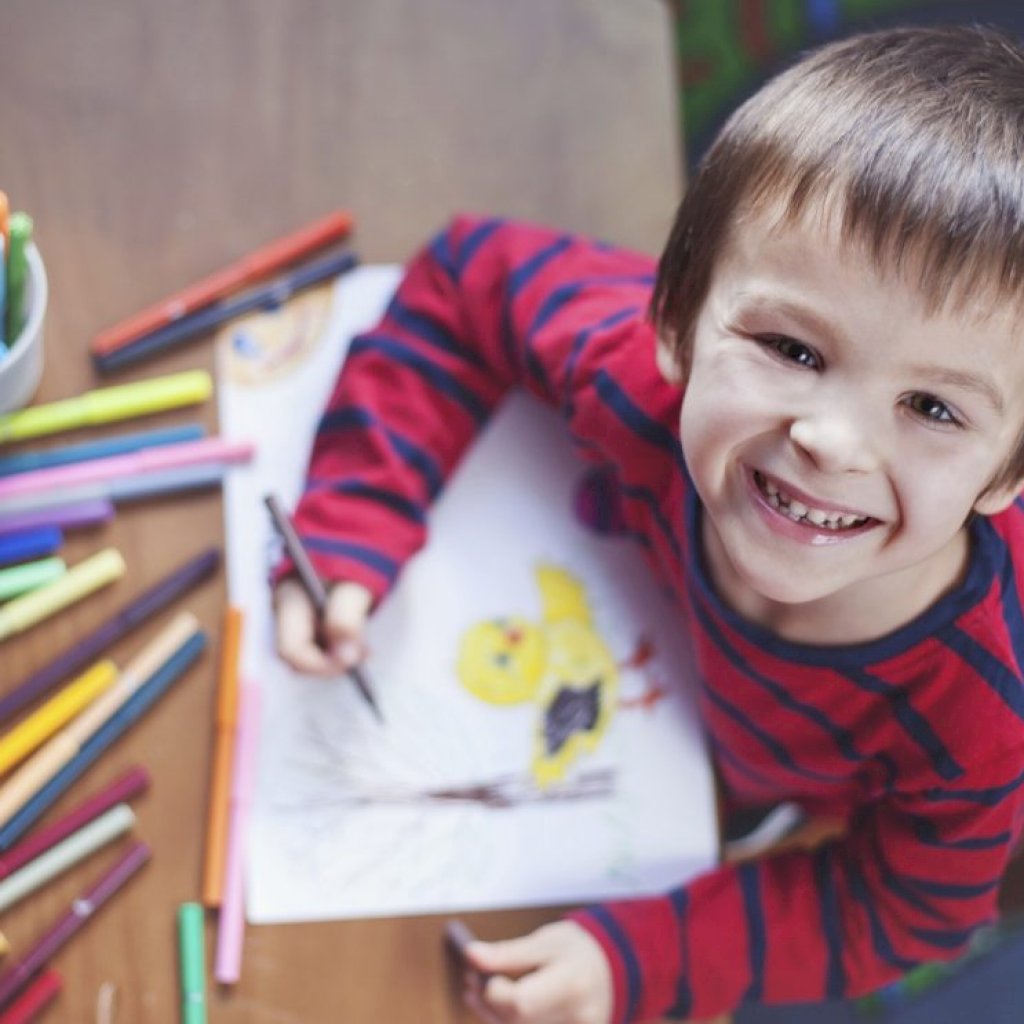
(913,138)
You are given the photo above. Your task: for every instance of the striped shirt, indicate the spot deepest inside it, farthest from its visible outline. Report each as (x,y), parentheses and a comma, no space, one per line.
(915,740)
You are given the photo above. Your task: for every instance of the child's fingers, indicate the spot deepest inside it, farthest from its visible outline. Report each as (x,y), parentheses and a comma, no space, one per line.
(513,956)
(348,605)
(297,629)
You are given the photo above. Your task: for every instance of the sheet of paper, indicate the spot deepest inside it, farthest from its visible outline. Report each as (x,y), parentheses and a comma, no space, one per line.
(540,745)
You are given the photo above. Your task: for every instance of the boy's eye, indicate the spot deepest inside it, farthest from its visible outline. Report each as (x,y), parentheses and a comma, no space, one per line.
(791,350)
(931,408)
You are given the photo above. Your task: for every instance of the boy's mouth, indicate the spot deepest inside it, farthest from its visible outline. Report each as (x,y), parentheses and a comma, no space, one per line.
(793,508)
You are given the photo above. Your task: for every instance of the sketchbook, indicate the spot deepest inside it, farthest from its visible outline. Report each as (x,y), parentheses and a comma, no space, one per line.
(541,746)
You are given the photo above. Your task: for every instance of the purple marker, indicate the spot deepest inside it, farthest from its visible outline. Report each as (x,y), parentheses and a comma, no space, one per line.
(13,980)
(68,517)
(133,614)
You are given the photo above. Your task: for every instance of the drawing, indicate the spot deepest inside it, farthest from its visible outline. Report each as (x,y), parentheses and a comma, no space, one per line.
(560,663)
(265,346)
(441,808)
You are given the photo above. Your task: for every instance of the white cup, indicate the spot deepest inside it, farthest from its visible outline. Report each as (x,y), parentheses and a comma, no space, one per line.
(21,366)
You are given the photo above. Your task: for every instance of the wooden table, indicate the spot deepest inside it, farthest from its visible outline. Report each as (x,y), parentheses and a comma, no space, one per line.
(155,141)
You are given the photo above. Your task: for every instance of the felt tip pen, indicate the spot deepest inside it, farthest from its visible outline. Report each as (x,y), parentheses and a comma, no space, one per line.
(268,296)
(192,963)
(106,405)
(138,610)
(215,856)
(259,264)
(117,445)
(127,785)
(82,909)
(24,545)
(313,586)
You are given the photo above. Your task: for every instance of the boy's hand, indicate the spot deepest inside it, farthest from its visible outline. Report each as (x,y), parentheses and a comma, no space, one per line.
(335,648)
(555,975)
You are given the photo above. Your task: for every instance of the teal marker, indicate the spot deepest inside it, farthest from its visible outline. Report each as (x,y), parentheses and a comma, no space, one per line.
(192,954)
(17,275)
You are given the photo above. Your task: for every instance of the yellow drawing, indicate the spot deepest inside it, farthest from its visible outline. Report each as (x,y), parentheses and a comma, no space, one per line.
(561,663)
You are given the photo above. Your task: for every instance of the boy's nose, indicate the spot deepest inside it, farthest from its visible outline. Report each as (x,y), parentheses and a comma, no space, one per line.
(834,441)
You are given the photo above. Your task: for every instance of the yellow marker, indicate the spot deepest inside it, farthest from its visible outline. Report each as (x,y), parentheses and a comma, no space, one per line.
(50,758)
(42,724)
(78,582)
(105,405)
(5,946)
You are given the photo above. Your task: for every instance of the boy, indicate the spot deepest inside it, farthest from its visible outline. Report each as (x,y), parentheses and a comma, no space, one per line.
(834,335)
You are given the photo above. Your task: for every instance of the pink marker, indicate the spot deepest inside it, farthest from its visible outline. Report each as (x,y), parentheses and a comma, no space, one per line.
(117,467)
(231,932)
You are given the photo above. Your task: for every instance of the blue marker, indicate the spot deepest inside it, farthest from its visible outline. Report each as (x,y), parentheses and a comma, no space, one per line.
(25,545)
(111,730)
(120,445)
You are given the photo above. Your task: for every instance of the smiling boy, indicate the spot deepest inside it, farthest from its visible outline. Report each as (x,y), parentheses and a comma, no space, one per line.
(835,337)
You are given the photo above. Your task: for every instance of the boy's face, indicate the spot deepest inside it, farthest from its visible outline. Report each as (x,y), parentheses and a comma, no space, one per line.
(838,435)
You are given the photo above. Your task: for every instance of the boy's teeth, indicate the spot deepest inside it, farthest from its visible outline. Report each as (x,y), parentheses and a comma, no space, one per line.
(798,511)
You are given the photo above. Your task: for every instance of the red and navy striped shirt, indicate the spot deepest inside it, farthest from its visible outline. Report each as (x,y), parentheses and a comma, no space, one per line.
(916,740)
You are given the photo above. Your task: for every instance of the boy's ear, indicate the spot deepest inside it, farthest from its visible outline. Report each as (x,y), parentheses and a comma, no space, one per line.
(666,356)
(998,499)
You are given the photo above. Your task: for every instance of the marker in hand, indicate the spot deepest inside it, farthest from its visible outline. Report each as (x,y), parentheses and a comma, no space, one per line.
(314,587)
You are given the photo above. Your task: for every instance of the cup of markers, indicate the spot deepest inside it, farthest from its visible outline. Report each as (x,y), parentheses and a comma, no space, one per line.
(23,295)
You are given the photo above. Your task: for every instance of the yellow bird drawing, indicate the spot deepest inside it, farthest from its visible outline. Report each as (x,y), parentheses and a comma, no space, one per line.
(561,663)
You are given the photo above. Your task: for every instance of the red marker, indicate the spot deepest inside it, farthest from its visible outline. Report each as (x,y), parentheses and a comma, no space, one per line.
(259,264)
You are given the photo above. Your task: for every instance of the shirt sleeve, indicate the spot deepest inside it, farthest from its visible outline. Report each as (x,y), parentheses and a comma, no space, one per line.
(915,876)
(487,306)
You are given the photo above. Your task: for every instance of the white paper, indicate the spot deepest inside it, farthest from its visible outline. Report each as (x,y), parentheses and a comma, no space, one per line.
(351,818)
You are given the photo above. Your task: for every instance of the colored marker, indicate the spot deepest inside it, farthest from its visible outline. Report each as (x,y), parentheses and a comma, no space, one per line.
(192,960)
(131,464)
(20,234)
(182,480)
(3,290)
(38,727)
(268,296)
(127,785)
(67,517)
(23,579)
(67,743)
(78,582)
(223,753)
(262,263)
(36,996)
(16,978)
(120,444)
(28,544)
(231,931)
(313,586)
(457,937)
(106,405)
(65,855)
(60,749)
(97,744)
(5,225)
(138,610)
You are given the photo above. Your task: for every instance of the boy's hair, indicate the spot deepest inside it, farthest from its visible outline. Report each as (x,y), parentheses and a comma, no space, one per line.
(912,138)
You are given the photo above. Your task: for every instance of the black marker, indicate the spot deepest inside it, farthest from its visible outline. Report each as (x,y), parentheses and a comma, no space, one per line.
(314,587)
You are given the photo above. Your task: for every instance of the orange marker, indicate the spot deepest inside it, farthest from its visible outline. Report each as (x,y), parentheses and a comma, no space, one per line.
(259,264)
(223,756)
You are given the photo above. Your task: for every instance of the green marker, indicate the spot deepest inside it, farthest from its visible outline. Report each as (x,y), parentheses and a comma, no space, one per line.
(192,953)
(17,275)
(20,579)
